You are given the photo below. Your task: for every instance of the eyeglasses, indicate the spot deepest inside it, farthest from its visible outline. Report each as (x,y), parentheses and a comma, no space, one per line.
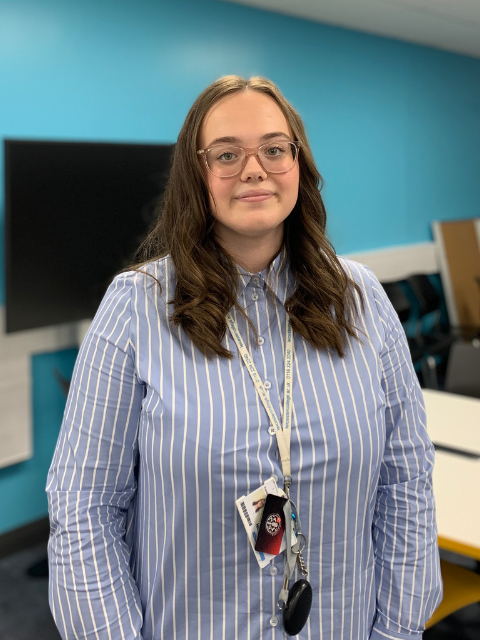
(226,160)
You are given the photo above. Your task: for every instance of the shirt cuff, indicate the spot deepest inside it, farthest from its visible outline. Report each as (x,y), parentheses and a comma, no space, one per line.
(381,632)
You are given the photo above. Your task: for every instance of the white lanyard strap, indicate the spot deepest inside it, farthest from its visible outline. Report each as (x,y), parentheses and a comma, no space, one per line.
(282,431)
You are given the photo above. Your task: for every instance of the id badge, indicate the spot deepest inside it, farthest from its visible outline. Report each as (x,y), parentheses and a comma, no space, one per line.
(251,508)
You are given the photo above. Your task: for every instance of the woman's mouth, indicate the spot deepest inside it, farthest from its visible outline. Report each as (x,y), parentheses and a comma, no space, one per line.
(254,196)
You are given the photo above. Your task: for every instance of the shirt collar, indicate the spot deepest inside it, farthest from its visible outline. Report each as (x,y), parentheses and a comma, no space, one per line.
(280,280)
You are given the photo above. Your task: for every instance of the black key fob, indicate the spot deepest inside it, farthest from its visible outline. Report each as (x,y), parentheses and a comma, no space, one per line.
(298,607)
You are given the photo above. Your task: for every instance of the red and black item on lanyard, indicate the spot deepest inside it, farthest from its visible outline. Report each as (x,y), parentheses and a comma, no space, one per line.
(272,526)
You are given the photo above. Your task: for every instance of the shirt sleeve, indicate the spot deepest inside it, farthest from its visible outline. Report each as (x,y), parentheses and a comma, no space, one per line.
(407,564)
(91,482)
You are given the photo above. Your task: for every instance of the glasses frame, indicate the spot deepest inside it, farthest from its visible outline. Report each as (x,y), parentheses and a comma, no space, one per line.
(251,151)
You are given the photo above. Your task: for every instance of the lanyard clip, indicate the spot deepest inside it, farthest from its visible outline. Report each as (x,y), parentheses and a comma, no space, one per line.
(287,481)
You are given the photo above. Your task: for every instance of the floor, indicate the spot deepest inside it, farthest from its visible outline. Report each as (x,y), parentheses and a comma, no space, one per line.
(25,614)
(24,610)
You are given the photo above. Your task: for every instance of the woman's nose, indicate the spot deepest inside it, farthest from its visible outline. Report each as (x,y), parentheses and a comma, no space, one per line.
(253,168)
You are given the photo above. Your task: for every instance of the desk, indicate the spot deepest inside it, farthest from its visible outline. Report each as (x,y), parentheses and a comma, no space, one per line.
(453,422)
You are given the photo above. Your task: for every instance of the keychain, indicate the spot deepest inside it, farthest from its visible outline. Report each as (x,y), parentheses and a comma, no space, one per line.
(296,602)
(297,609)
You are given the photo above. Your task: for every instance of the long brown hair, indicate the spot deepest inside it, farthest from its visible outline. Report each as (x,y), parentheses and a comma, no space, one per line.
(322,306)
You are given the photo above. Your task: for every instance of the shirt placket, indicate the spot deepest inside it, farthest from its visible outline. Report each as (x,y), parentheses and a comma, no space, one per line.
(268,371)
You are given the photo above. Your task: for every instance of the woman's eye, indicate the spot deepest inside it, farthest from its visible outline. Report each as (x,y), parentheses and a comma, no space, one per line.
(274,151)
(227,156)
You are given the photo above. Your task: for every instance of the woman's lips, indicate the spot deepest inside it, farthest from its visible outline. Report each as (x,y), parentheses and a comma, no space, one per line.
(252,196)
(255,198)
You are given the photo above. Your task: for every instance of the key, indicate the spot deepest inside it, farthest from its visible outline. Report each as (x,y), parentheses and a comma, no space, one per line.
(281,604)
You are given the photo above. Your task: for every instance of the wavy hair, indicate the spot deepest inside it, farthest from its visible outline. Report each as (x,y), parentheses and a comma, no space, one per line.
(323,305)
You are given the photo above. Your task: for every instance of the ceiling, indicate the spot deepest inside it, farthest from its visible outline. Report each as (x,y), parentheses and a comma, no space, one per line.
(452,25)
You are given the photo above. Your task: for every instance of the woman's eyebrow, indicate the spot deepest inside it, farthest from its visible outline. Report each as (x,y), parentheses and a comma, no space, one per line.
(234,140)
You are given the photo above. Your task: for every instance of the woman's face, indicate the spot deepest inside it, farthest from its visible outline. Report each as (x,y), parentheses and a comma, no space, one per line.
(249,116)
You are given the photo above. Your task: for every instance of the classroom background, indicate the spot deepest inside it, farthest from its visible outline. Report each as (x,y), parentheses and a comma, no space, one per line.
(394,127)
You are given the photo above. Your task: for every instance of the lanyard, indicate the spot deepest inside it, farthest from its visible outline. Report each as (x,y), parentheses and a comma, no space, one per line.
(282,431)
(296,609)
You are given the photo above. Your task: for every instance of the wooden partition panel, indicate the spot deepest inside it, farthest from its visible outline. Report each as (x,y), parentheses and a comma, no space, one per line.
(459,259)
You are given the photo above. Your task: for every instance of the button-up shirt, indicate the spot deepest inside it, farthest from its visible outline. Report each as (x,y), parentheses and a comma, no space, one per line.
(157,443)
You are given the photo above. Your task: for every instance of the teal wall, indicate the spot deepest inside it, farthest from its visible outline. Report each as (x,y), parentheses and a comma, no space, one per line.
(395,128)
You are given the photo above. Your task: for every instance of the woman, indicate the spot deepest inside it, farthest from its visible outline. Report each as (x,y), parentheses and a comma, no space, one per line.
(164,429)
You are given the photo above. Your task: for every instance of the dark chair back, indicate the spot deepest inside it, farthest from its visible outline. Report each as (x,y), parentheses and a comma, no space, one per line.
(463,369)
(425,294)
(399,300)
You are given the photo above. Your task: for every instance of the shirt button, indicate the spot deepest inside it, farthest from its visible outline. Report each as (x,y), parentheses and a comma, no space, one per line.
(261,340)
(256,281)
(254,296)
(274,621)
(273,570)
(267,384)
(271,430)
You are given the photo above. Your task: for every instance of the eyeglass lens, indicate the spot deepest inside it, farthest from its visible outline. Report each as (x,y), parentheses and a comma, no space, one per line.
(227,160)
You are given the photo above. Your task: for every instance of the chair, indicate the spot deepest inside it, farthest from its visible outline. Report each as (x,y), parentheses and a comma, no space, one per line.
(463,369)
(402,306)
(461,587)
(437,340)
(429,302)
(398,299)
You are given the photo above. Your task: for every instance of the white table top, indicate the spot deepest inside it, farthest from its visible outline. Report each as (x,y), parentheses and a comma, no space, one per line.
(454,421)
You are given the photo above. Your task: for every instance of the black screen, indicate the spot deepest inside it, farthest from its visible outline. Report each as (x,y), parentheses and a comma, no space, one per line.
(75,214)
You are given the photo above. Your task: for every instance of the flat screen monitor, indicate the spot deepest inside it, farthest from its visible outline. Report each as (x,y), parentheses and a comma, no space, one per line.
(75,214)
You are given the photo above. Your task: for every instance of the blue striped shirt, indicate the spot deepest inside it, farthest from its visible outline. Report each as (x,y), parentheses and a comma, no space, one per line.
(157,443)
